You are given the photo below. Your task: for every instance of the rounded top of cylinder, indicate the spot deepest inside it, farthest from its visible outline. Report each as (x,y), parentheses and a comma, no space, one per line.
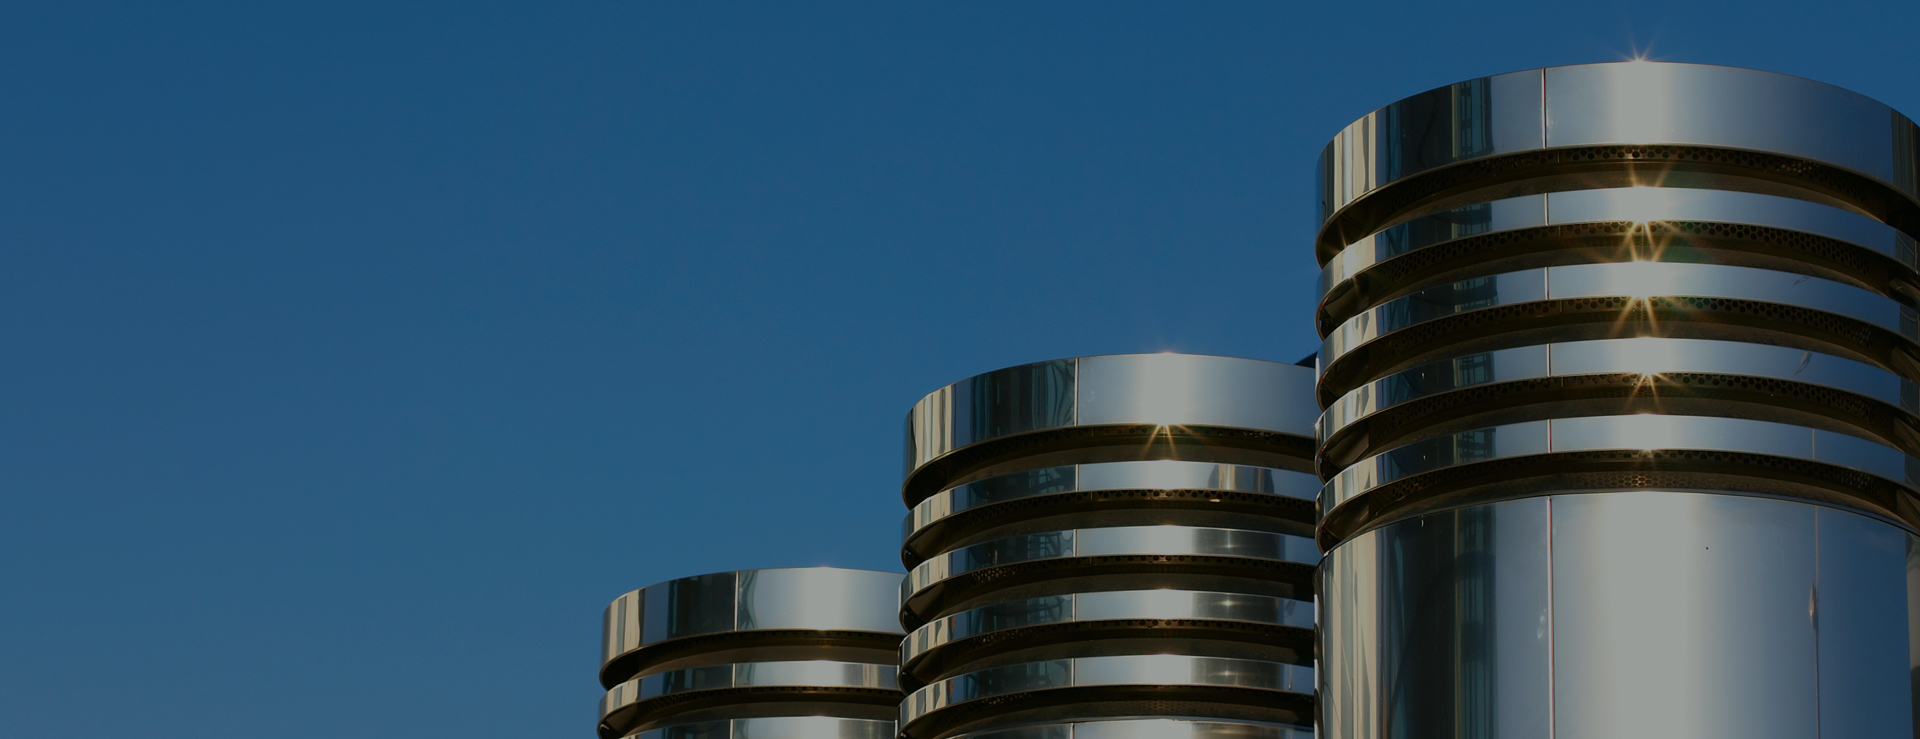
(1063,404)
(1727,122)
(788,608)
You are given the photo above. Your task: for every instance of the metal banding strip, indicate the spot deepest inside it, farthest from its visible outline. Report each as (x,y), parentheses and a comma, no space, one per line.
(1630,281)
(626,707)
(776,727)
(1648,357)
(1165,395)
(1123,605)
(1158,475)
(1160,672)
(1639,209)
(1640,434)
(1092,544)
(1548,118)
(1148,728)
(858,606)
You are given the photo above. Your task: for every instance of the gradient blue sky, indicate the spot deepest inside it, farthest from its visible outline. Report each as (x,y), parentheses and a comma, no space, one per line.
(356,355)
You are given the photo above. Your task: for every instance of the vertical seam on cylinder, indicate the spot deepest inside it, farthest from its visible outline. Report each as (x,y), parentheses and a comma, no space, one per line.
(1813,619)
(1553,726)
(1543,110)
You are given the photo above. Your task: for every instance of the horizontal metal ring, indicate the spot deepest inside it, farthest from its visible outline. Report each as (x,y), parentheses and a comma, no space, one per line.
(1094,546)
(776,727)
(1541,114)
(1647,357)
(925,521)
(1644,222)
(1149,728)
(1633,284)
(1155,671)
(644,700)
(1122,605)
(1123,541)
(1165,395)
(814,606)
(1643,435)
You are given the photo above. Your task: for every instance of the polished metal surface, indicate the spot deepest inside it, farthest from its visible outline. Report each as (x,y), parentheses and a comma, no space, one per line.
(1106,492)
(1618,300)
(1130,615)
(808,611)
(1612,375)
(1620,224)
(1056,689)
(1104,409)
(677,695)
(954,578)
(777,727)
(1619,385)
(698,656)
(1607,125)
(1111,547)
(1590,452)
(1149,728)
(1645,613)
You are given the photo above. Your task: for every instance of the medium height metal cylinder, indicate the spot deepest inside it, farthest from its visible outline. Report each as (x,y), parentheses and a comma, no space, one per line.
(1618,385)
(802,653)
(1113,546)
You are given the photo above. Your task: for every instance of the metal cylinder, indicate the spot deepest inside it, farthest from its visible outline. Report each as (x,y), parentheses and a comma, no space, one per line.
(1618,372)
(805,653)
(1111,545)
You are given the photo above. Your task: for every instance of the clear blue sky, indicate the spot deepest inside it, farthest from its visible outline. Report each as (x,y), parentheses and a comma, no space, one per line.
(357,355)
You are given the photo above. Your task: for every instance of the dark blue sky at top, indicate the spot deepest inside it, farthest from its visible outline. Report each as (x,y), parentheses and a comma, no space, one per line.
(356,355)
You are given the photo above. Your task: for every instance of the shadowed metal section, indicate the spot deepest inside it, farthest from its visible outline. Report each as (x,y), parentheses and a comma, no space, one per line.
(805,652)
(1111,546)
(1618,376)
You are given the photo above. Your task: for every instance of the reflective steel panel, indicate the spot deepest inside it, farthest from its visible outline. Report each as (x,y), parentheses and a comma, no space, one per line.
(697,656)
(1149,728)
(960,429)
(849,608)
(1620,412)
(1137,561)
(1439,627)
(1695,610)
(776,727)
(1602,125)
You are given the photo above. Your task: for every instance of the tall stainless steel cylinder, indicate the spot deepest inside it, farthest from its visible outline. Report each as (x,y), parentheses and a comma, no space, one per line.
(1618,384)
(803,653)
(1111,546)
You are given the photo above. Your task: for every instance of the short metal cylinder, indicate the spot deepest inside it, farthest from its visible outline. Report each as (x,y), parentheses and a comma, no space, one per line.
(1093,543)
(1618,373)
(803,652)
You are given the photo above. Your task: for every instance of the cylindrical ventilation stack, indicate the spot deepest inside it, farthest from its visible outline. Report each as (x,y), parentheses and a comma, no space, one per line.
(1618,375)
(1109,545)
(803,653)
